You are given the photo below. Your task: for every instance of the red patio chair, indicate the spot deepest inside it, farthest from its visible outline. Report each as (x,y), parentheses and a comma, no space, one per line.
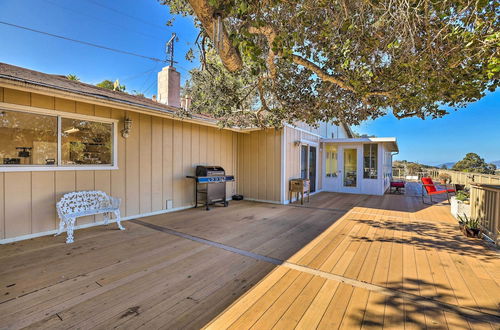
(429,187)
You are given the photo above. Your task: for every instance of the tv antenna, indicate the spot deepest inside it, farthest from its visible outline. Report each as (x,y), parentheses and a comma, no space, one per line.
(170,48)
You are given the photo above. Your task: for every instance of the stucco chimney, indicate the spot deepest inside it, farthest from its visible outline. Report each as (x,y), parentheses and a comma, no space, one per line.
(169,86)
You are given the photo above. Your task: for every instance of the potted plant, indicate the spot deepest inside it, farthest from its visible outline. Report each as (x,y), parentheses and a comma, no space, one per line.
(469,226)
(444,178)
(460,204)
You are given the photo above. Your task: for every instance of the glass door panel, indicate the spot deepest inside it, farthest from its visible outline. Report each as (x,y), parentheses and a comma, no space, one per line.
(350,167)
(303,162)
(312,168)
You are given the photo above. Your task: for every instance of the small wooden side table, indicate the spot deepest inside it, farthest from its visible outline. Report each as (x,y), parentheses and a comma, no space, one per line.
(299,186)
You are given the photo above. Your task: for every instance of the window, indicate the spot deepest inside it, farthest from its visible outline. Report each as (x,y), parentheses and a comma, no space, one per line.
(331,161)
(48,141)
(350,167)
(85,142)
(27,139)
(370,159)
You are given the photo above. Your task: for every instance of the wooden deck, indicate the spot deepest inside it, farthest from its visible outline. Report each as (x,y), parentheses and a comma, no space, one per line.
(340,261)
(390,262)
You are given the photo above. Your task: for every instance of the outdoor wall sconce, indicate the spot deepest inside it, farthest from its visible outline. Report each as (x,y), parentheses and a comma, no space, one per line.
(296,143)
(127,126)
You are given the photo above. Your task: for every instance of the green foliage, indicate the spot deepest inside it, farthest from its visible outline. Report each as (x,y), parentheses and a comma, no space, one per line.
(73,77)
(232,98)
(108,84)
(411,58)
(462,195)
(474,164)
(468,222)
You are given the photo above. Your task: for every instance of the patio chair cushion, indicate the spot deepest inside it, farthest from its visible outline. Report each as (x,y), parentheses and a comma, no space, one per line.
(429,185)
(397,184)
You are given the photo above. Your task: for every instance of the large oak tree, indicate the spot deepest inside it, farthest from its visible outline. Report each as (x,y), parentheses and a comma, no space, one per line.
(342,60)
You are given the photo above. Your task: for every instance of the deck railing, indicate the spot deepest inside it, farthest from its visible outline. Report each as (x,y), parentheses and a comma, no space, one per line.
(485,206)
(467,177)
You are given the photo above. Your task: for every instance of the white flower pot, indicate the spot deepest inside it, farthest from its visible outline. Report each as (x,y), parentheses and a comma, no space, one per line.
(459,208)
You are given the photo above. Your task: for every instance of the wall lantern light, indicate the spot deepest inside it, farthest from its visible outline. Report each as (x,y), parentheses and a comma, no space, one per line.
(296,143)
(127,126)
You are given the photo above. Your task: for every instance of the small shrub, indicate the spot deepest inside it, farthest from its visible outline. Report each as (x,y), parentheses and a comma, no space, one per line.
(462,195)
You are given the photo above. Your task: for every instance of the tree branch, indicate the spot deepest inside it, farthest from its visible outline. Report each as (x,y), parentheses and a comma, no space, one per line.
(270,35)
(228,53)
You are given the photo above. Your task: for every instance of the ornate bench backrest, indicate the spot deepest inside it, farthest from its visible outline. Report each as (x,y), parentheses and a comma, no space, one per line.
(81,201)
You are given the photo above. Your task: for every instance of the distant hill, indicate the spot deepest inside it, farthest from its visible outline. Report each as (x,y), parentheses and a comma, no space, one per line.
(497,163)
(448,165)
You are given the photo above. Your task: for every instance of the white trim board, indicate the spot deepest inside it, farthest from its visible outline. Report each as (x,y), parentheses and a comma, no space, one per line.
(288,201)
(93,224)
(261,200)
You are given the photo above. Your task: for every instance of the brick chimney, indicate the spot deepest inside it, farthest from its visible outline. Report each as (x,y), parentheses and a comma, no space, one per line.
(169,86)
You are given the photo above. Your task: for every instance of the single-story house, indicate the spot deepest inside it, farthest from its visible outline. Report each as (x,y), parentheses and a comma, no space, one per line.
(58,135)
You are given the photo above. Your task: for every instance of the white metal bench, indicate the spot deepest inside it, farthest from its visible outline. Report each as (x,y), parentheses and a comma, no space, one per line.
(83,203)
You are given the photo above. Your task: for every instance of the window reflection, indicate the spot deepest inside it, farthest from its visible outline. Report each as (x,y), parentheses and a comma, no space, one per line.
(85,142)
(27,139)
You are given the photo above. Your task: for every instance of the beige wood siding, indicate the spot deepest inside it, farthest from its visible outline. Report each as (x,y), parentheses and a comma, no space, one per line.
(292,163)
(259,163)
(153,163)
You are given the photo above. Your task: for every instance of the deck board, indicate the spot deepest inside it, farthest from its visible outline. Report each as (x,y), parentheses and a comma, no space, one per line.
(357,262)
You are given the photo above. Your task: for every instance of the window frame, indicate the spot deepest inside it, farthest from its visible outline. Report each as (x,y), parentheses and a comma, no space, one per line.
(59,115)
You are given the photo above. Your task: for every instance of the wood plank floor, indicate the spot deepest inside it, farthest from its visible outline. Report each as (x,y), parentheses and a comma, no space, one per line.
(145,278)
(347,261)
(390,262)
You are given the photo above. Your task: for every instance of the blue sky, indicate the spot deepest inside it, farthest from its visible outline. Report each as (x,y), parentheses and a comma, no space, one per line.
(139,26)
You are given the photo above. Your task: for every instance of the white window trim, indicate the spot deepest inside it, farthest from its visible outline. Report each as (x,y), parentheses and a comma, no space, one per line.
(59,115)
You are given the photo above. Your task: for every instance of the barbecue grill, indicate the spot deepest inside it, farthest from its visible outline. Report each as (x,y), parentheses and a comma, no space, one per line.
(210,185)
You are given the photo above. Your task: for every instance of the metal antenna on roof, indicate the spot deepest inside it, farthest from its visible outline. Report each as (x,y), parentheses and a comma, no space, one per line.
(170,49)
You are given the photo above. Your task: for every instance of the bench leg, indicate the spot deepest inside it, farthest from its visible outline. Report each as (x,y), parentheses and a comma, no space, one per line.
(70,224)
(61,228)
(106,218)
(117,214)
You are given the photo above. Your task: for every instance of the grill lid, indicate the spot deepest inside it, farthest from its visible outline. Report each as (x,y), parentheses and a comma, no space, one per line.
(209,170)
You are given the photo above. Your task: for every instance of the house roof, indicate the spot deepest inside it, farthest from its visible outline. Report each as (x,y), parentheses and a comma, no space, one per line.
(59,82)
(390,141)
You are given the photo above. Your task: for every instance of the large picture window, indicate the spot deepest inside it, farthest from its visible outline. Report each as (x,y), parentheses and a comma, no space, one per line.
(370,159)
(47,141)
(86,142)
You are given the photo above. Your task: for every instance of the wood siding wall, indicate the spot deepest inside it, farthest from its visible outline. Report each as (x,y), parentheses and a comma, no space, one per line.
(293,156)
(153,163)
(259,165)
